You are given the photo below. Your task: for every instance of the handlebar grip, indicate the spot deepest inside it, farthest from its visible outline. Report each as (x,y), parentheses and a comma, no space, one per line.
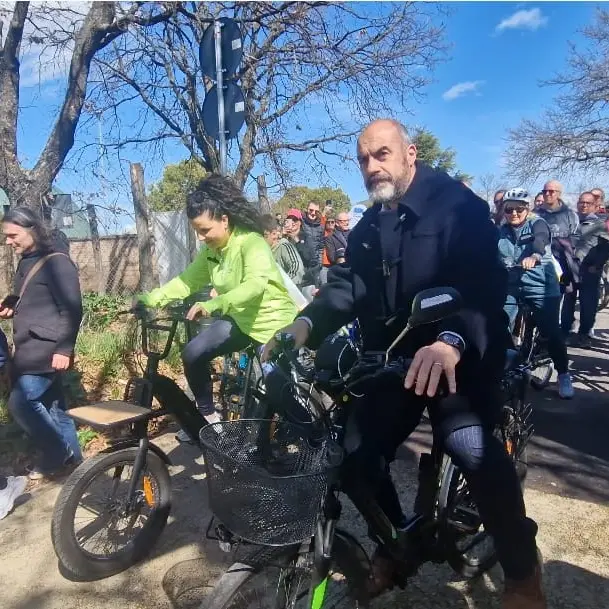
(399,369)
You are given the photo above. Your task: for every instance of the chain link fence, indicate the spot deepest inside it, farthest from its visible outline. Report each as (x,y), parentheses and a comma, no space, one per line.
(110,264)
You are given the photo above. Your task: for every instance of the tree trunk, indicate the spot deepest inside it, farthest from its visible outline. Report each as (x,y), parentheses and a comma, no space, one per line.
(97,257)
(263,197)
(142,226)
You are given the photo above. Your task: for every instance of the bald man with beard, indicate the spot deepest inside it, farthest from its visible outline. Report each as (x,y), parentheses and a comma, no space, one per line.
(426,229)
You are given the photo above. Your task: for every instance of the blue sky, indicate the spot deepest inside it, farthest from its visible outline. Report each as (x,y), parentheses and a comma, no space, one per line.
(499,53)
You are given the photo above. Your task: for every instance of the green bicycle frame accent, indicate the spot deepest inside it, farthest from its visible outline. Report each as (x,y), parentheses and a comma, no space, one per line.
(319,594)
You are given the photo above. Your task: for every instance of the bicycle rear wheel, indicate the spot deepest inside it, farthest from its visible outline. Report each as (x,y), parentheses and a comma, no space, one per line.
(469,549)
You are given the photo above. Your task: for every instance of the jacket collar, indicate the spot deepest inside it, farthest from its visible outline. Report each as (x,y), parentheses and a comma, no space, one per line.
(418,194)
(313,223)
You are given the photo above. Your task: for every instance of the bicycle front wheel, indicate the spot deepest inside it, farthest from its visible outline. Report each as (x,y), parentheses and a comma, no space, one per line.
(97,529)
(281,578)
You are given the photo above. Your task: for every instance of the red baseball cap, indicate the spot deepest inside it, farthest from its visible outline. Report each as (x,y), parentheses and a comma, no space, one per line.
(294,213)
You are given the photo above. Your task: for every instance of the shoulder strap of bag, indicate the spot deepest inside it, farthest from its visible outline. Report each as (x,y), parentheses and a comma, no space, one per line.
(34,270)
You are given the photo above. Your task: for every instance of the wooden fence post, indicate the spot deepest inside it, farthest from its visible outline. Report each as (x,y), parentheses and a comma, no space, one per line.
(142,225)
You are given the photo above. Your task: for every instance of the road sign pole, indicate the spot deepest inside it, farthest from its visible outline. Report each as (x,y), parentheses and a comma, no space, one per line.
(220,88)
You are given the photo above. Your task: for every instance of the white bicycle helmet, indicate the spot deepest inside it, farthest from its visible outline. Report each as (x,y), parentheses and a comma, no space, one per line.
(517,194)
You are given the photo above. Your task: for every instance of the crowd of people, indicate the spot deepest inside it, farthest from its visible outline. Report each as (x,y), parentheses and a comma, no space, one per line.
(424,229)
(307,243)
(573,243)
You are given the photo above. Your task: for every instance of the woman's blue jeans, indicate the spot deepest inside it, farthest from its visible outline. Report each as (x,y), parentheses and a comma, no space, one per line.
(38,405)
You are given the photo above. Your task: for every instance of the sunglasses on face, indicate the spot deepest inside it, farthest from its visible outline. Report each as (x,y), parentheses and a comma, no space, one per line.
(511,210)
(587,203)
(549,191)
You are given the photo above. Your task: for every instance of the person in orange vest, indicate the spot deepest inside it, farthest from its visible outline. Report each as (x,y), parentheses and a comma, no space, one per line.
(329,227)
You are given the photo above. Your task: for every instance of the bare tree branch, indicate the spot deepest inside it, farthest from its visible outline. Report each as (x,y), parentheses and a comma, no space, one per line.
(573,134)
(312,73)
(58,32)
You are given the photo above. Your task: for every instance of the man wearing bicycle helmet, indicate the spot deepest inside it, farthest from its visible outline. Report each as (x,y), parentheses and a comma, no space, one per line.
(524,249)
(425,230)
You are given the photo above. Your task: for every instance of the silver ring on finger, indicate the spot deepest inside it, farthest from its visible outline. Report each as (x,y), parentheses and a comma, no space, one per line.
(437,364)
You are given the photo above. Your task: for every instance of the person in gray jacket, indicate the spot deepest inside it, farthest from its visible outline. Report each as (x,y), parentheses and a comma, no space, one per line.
(563,223)
(591,250)
(561,219)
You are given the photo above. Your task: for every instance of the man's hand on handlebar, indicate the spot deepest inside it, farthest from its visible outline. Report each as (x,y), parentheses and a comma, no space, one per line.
(429,364)
(197,310)
(299,329)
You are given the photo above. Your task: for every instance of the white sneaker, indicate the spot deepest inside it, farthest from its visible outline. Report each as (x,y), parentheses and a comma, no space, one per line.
(15,485)
(565,386)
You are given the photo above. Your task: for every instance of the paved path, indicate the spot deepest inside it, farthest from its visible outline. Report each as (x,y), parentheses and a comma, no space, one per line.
(569,453)
(568,494)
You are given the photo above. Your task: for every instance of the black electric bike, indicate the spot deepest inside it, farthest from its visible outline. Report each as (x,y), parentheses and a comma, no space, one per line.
(275,485)
(114,506)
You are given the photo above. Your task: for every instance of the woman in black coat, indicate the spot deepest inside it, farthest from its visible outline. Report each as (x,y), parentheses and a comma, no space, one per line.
(46,309)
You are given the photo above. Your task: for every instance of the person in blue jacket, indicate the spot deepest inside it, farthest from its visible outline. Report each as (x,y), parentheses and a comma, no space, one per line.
(524,249)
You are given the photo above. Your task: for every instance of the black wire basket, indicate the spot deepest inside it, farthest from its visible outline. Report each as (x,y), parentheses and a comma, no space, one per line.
(267,479)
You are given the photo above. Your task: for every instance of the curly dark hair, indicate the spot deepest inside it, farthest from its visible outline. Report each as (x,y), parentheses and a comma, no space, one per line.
(27,218)
(218,196)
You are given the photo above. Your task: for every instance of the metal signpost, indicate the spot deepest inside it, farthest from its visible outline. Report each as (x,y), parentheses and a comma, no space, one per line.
(223,112)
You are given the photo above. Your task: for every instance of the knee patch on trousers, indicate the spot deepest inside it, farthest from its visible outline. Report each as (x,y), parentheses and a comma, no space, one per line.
(466,447)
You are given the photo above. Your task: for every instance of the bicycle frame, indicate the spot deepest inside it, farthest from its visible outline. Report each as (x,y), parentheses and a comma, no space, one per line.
(151,385)
(403,545)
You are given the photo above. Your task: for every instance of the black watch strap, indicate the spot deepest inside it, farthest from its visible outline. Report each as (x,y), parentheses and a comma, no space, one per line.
(453,339)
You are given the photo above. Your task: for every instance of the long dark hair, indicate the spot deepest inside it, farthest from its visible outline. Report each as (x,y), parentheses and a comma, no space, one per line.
(27,218)
(220,196)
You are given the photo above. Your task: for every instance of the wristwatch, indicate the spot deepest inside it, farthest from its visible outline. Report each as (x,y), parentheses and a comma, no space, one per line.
(453,339)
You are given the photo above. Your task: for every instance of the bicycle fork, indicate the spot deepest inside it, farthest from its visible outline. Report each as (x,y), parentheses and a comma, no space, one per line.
(324,536)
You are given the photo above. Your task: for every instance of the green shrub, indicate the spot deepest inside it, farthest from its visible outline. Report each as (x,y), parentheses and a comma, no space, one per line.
(100,310)
(106,349)
(85,435)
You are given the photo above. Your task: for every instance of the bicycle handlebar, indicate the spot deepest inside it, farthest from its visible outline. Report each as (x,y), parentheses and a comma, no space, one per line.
(362,372)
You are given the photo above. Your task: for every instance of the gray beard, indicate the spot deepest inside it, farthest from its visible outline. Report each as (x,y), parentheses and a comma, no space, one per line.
(384,193)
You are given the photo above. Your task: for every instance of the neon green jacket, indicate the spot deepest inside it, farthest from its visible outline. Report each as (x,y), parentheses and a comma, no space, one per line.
(247,279)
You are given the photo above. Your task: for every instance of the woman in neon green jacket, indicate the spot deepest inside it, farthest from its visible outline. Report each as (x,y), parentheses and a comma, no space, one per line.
(252,300)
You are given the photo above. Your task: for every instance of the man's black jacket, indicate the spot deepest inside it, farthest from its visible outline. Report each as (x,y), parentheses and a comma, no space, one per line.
(314,234)
(336,245)
(441,235)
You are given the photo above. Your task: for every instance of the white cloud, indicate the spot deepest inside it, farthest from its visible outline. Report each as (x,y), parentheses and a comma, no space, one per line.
(532,20)
(462,88)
